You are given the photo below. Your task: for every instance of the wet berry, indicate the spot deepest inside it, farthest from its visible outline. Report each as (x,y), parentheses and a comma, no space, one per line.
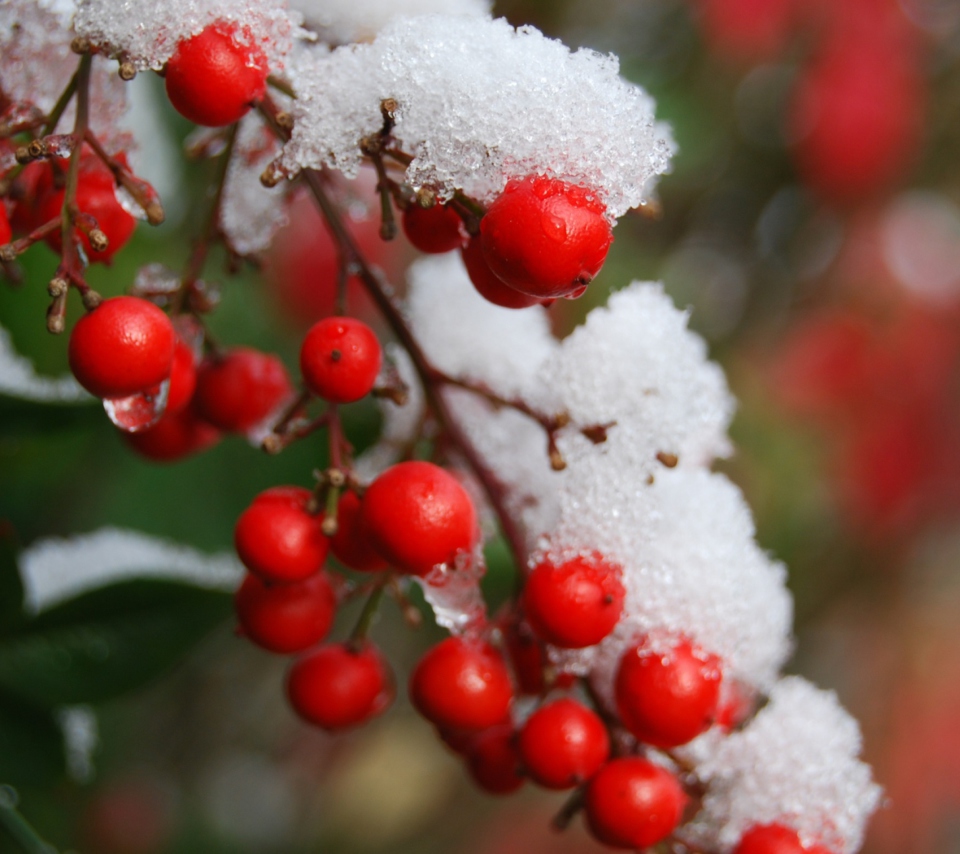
(419,516)
(573,604)
(462,684)
(240,388)
(285,618)
(667,698)
(123,346)
(214,77)
(340,685)
(563,744)
(278,539)
(632,803)
(340,359)
(435,229)
(351,544)
(545,237)
(488,284)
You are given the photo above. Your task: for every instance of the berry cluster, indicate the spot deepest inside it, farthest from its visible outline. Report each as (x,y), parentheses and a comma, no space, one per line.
(649,622)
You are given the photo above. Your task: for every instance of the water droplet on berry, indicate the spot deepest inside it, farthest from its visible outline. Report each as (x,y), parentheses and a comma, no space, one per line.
(554,227)
(129,203)
(139,411)
(453,592)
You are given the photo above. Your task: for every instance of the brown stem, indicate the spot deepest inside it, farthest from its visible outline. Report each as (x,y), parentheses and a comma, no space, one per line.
(380,293)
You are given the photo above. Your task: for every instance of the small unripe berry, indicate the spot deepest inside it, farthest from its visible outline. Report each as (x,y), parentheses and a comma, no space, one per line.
(462,684)
(340,685)
(488,284)
(435,229)
(351,544)
(545,237)
(563,744)
(340,359)
(239,389)
(775,839)
(212,79)
(122,347)
(278,539)
(633,803)
(418,516)
(286,618)
(575,604)
(667,698)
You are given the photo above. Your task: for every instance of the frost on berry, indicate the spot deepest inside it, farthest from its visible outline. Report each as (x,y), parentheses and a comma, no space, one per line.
(343,21)
(147,32)
(460,83)
(795,765)
(56,569)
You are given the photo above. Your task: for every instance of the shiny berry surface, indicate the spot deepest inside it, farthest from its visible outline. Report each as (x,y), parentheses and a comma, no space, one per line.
(340,685)
(462,684)
(212,78)
(285,617)
(240,388)
(667,698)
(487,283)
(123,346)
(351,543)
(563,744)
(435,229)
(419,516)
(574,604)
(545,238)
(277,538)
(340,359)
(632,803)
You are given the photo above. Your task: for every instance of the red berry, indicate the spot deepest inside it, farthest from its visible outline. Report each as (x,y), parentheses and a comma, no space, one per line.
(340,359)
(96,195)
(563,744)
(6,233)
(666,699)
(775,839)
(493,761)
(183,377)
(435,229)
(462,684)
(351,544)
(241,388)
(526,656)
(488,284)
(123,346)
(174,436)
(633,803)
(286,617)
(545,238)
(419,516)
(340,685)
(575,604)
(212,78)
(278,539)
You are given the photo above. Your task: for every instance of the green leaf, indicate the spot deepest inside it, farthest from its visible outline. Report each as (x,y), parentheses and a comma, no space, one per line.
(31,744)
(20,417)
(107,642)
(11,588)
